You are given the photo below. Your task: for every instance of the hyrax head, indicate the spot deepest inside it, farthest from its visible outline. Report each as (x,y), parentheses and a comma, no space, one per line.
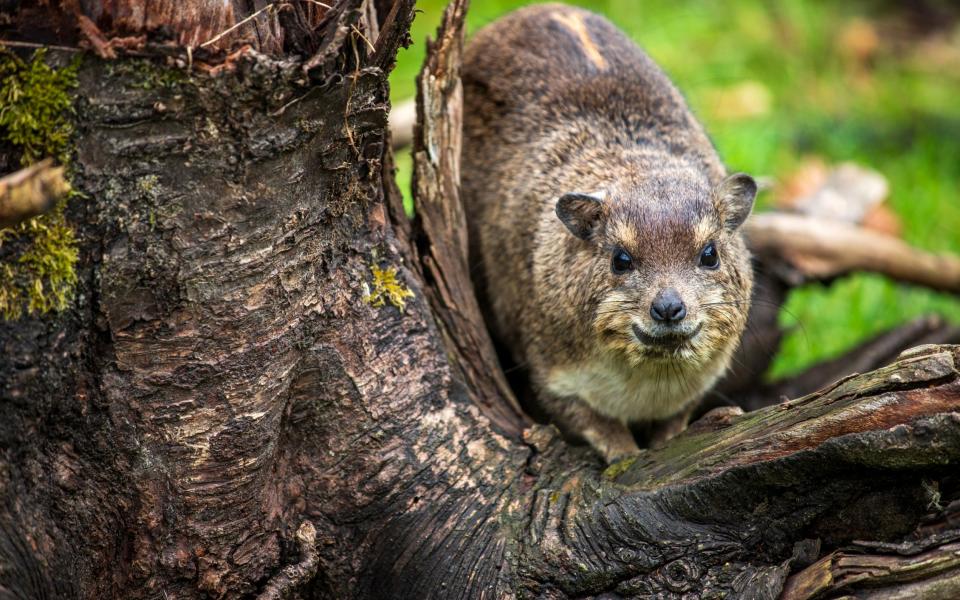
(670,275)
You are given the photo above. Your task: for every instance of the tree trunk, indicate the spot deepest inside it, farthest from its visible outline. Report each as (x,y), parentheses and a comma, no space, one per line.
(244,400)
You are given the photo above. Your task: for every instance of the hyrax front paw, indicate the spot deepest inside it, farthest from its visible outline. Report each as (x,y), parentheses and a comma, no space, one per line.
(613,441)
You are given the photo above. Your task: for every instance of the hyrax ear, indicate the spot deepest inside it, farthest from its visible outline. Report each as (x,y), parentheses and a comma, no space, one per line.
(581,212)
(735,196)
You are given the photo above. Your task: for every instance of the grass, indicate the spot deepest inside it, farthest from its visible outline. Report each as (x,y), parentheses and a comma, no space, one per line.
(812,82)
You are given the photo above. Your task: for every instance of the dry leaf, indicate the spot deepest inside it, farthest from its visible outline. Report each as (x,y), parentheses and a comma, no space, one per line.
(882,219)
(849,193)
(858,41)
(803,182)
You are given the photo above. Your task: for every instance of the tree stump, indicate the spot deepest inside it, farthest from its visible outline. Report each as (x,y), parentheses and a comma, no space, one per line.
(244,399)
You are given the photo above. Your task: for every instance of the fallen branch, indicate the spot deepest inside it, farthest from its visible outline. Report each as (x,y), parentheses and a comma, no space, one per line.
(821,249)
(738,501)
(30,192)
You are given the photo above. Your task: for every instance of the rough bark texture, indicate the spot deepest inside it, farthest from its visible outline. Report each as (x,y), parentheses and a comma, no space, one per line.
(175,427)
(223,412)
(440,238)
(109,27)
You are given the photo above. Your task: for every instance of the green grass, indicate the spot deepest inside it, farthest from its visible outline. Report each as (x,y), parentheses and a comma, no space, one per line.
(898,113)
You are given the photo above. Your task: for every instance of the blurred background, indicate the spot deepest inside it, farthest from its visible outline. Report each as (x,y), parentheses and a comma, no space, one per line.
(788,90)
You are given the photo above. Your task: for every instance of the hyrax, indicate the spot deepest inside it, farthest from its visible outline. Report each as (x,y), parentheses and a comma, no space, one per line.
(605,237)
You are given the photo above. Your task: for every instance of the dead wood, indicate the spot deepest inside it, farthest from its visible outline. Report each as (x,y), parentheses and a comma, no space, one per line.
(440,230)
(817,249)
(925,565)
(210,30)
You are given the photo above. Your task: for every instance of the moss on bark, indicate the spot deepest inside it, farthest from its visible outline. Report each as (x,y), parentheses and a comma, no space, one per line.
(36,121)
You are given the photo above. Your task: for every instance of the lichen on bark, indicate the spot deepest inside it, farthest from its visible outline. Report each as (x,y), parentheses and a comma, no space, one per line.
(36,121)
(387,288)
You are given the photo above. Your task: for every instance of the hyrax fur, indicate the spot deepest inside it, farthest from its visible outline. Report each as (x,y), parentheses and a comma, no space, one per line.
(603,231)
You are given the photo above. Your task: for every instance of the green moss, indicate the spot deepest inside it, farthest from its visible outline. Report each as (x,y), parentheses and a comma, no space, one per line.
(37,109)
(11,298)
(49,263)
(147,75)
(36,121)
(619,468)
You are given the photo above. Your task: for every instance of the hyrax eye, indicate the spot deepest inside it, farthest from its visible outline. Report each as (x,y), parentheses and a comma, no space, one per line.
(709,257)
(621,262)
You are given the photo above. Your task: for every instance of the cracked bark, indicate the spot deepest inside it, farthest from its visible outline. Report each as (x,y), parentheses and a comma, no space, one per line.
(221,414)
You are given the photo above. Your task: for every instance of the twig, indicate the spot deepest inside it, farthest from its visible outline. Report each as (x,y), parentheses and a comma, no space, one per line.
(360,33)
(16,44)
(353,85)
(284,108)
(101,45)
(239,24)
(30,192)
(253,16)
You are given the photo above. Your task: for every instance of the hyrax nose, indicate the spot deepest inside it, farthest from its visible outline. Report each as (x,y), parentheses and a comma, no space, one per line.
(667,307)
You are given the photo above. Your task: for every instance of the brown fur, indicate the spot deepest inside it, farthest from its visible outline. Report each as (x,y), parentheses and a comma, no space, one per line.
(557,100)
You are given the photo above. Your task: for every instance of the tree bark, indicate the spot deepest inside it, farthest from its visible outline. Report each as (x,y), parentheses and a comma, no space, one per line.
(243,400)
(169,434)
